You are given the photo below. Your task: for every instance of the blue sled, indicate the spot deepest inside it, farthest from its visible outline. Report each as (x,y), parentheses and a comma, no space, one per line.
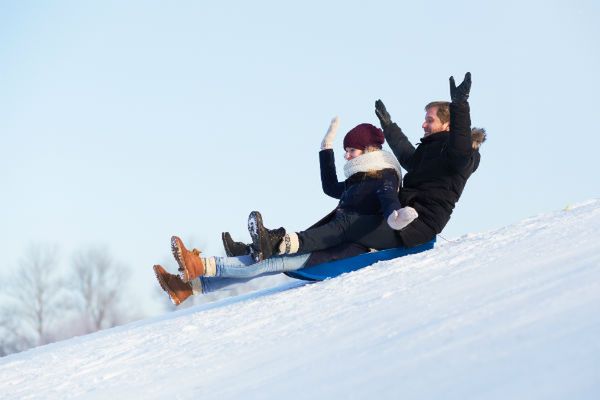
(332,269)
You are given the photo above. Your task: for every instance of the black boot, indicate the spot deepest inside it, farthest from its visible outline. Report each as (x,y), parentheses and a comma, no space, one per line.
(232,248)
(265,242)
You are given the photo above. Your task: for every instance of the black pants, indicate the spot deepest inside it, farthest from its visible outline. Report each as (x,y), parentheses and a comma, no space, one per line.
(371,231)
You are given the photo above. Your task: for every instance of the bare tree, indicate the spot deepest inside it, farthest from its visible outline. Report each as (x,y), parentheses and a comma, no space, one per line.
(12,339)
(34,298)
(100,284)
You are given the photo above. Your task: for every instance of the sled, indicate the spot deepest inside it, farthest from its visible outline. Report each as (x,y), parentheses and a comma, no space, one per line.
(332,269)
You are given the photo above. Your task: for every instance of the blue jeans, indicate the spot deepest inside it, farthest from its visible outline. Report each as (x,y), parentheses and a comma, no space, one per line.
(232,270)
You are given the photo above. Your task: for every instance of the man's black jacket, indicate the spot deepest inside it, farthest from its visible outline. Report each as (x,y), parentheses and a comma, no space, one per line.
(437,170)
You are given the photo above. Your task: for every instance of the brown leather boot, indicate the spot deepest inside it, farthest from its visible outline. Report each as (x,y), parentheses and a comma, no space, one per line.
(177,289)
(190,263)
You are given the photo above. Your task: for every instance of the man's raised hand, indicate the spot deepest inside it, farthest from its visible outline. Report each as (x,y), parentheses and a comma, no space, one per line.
(460,93)
(382,114)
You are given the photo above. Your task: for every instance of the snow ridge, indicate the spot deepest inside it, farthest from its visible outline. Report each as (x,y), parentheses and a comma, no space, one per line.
(511,313)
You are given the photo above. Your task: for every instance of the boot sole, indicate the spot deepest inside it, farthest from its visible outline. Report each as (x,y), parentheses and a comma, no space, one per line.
(259,237)
(165,287)
(178,255)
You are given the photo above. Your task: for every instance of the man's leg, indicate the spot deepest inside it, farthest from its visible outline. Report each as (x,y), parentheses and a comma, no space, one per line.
(325,236)
(244,266)
(371,231)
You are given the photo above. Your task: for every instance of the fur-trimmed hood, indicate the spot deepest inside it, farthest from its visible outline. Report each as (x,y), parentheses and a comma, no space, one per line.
(372,161)
(478,136)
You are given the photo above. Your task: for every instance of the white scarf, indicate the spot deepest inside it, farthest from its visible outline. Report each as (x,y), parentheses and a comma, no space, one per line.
(372,161)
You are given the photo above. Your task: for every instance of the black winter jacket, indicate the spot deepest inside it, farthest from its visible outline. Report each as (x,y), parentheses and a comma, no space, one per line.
(361,193)
(437,171)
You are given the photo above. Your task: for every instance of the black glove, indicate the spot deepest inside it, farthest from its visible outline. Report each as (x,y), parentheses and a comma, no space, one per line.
(460,93)
(382,114)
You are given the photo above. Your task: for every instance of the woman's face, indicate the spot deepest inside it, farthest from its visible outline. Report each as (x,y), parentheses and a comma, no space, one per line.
(351,153)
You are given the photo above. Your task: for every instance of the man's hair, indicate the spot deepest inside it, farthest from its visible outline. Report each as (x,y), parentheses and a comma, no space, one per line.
(443,110)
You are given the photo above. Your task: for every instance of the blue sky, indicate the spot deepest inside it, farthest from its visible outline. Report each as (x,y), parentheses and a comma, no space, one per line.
(123,123)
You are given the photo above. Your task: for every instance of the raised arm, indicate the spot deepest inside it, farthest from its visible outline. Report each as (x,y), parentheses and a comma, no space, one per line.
(329,180)
(396,139)
(460,148)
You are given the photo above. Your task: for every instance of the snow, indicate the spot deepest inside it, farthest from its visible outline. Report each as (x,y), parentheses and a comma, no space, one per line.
(507,314)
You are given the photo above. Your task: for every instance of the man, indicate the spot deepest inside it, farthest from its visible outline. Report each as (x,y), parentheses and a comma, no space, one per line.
(438,169)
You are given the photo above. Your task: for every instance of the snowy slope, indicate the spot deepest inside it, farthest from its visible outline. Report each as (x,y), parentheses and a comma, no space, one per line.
(509,314)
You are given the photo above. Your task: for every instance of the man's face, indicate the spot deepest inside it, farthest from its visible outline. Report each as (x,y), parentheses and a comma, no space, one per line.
(432,123)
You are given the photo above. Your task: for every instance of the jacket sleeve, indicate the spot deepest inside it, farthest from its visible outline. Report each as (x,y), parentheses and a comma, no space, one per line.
(387,192)
(460,149)
(401,147)
(329,180)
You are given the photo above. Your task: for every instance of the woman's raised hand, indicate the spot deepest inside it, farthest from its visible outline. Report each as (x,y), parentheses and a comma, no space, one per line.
(327,142)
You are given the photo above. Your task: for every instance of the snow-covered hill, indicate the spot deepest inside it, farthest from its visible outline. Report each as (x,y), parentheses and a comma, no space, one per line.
(509,314)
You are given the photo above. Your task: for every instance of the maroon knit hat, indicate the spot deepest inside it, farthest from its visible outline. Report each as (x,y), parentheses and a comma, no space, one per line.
(363,136)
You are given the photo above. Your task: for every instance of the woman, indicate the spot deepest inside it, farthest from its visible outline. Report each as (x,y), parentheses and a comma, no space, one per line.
(371,189)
